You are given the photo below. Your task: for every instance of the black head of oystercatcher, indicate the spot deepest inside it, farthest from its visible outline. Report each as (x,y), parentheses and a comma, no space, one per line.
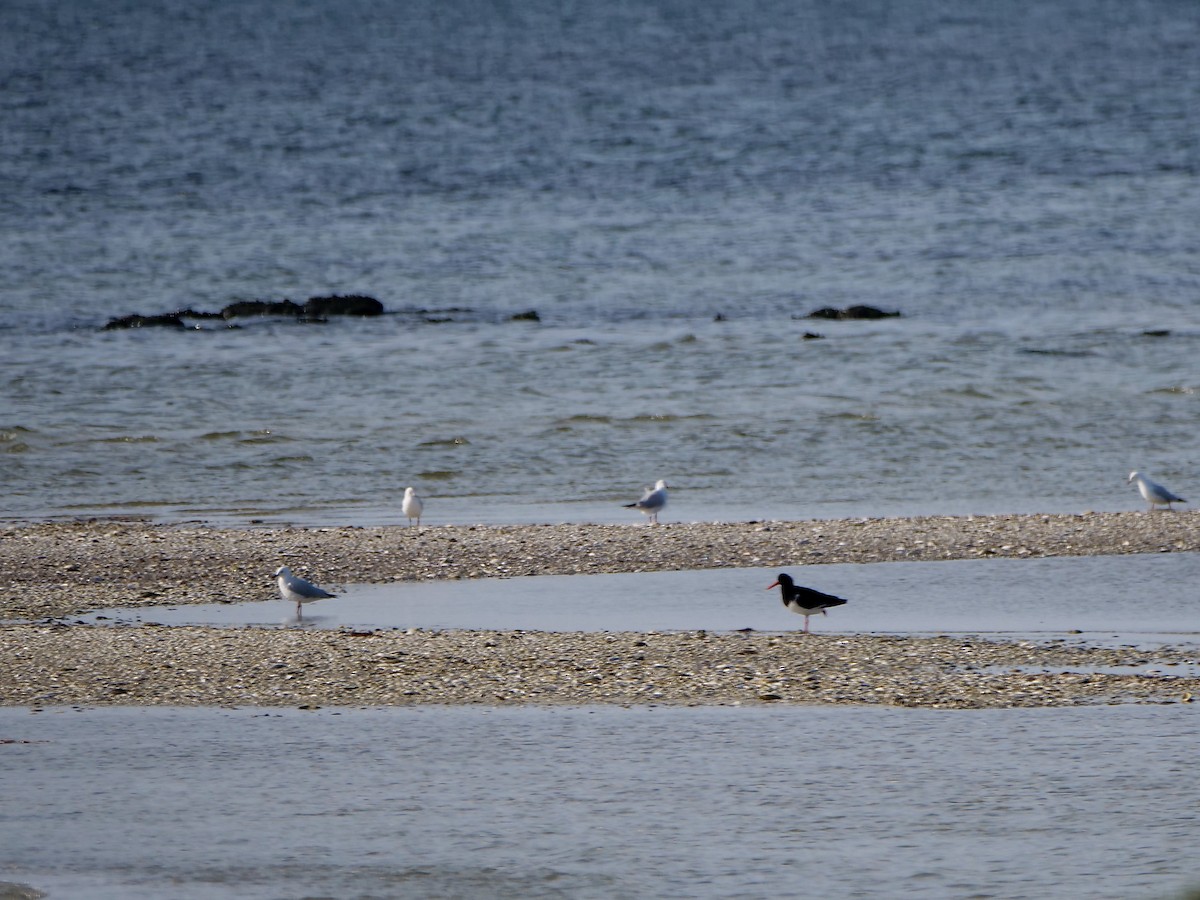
(802,600)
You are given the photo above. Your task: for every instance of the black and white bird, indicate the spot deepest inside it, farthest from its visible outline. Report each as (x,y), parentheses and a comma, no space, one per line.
(296,590)
(653,501)
(1153,492)
(802,600)
(412,506)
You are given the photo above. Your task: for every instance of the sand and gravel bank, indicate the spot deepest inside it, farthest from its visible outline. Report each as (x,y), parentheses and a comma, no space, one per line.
(52,570)
(59,664)
(62,568)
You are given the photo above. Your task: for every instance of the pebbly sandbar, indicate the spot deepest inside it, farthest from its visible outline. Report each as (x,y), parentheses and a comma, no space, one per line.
(51,571)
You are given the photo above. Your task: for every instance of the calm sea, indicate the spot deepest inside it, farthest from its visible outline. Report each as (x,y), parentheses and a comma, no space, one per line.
(601,803)
(670,185)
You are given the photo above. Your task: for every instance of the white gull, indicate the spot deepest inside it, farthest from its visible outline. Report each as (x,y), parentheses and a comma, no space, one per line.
(653,501)
(296,590)
(1153,492)
(412,506)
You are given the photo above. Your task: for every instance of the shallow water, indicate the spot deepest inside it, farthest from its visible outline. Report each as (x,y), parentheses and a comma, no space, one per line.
(1137,598)
(201,804)
(1018,178)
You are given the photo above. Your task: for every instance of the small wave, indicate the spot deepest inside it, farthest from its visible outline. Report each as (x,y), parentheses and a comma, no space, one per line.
(851,416)
(1050,351)
(446,442)
(438,474)
(286,460)
(970,392)
(665,417)
(12,440)
(264,437)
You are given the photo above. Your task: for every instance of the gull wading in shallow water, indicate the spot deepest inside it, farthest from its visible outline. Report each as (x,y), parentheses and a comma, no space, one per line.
(296,590)
(653,501)
(412,506)
(802,600)
(1153,492)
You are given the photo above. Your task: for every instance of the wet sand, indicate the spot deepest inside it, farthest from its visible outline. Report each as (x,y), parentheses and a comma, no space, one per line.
(51,571)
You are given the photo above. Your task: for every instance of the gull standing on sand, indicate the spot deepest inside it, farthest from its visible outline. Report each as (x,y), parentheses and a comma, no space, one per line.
(802,600)
(412,506)
(1153,492)
(295,589)
(653,501)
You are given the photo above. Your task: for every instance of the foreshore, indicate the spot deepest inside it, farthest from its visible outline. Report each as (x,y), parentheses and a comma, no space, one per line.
(50,571)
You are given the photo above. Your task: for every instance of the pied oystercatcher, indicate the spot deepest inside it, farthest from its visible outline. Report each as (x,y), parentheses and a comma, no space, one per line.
(802,600)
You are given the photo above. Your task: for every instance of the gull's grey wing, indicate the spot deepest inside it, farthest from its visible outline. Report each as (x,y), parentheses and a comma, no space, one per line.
(307,588)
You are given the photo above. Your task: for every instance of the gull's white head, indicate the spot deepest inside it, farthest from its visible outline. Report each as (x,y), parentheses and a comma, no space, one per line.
(283,570)
(659,485)
(1133,476)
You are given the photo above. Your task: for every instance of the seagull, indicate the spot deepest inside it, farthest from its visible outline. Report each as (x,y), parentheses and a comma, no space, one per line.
(293,587)
(412,506)
(802,600)
(1153,492)
(653,501)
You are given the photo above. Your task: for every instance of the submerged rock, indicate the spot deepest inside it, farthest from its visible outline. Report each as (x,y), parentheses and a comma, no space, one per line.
(314,310)
(190,313)
(350,305)
(168,320)
(859,311)
(262,308)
